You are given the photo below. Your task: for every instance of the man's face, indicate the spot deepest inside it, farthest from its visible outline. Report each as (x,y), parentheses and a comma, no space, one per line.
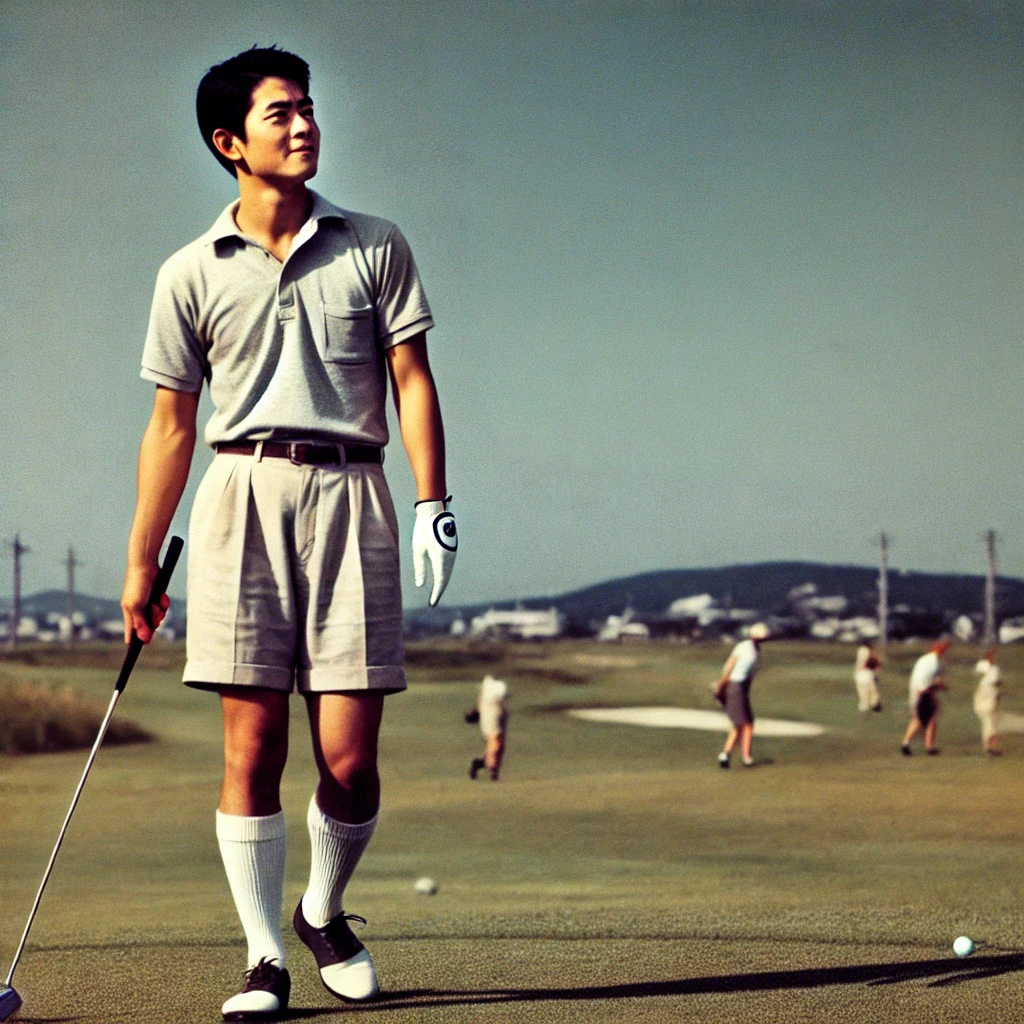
(282,140)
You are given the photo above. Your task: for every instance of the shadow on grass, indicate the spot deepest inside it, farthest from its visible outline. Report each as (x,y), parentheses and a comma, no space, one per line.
(943,972)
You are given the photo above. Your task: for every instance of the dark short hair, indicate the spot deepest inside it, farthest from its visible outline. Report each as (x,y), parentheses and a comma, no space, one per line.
(224,96)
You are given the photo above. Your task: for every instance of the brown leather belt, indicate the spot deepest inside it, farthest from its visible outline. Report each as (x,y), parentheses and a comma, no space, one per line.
(308,453)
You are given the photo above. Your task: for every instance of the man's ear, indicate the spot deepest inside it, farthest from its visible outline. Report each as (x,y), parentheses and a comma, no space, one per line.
(226,144)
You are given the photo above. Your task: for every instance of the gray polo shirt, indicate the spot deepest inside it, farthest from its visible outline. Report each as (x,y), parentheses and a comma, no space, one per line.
(293,349)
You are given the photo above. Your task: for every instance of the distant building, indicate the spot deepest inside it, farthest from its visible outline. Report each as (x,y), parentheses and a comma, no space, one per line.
(701,607)
(617,628)
(518,623)
(1011,630)
(701,615)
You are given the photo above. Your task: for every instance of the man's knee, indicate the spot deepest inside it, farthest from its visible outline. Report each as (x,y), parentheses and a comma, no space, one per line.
(254,757)
(352,769)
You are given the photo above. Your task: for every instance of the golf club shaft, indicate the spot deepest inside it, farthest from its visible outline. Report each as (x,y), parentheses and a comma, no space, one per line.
(134,648)
(60,838)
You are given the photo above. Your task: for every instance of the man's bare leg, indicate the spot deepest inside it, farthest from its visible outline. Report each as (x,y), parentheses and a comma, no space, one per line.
(494,751)
(912,730)
(929,733)
(746,742)
(730,740)
(344,728)
(250,829)
(341,817)
(255,750)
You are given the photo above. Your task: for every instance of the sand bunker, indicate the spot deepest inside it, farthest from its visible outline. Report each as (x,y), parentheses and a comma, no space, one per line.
(690,718)
(1009,722)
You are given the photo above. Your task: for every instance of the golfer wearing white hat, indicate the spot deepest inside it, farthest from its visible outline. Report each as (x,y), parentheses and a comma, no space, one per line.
(733,691)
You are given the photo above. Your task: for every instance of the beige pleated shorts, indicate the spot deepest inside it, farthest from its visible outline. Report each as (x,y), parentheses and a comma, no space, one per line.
(293,578)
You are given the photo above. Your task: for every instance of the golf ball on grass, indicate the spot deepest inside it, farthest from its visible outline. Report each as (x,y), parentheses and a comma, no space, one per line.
(963,946)
(428,887)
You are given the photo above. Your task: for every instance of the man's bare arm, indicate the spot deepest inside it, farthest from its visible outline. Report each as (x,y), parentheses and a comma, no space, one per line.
(419,416)
(727,669)
(165,456)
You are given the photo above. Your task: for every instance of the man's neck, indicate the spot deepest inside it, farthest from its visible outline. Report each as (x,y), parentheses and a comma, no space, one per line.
(271,215)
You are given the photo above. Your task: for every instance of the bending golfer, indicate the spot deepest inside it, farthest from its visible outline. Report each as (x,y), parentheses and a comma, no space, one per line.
(492,714)
(295,312)
(925,684)
(733,690)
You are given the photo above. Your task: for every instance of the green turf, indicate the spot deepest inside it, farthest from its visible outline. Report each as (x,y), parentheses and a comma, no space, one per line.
(615,873)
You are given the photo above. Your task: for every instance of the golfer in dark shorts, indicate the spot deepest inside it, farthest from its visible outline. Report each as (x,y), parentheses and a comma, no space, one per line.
(925,683)
(733,690)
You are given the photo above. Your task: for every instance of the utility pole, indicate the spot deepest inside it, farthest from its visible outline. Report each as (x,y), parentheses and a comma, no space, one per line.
(883,589)
(989,631)
(17,549)
(71,562)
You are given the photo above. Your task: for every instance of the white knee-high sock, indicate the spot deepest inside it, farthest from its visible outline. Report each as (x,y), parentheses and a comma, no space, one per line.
(253,853)
(336,849)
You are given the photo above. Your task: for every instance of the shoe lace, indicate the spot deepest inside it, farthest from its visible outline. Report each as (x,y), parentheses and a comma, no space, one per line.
(264,971)
(338,933)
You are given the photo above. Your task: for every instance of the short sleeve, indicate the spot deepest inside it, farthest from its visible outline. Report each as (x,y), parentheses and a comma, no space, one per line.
(401,303)
(173,356)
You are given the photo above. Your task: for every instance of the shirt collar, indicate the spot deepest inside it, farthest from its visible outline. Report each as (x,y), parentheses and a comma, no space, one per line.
(225,227)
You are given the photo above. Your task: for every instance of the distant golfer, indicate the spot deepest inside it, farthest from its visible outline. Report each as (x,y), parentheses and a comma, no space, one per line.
(987,700)
(296,314)
(733,691)
(865,677)
(492,714)
(925,684)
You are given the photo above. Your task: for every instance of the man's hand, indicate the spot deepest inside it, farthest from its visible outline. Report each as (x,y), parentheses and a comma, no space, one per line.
(434,539)
(140,617)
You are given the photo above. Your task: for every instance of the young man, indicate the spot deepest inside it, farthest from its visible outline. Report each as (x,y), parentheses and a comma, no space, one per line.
(293,311)
(926,683)
(733,692)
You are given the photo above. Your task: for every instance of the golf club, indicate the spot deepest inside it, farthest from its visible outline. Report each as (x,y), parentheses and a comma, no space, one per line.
(10,1001)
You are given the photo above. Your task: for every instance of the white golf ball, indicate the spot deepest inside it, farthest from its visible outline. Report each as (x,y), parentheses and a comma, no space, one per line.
(425,886)
(963,946)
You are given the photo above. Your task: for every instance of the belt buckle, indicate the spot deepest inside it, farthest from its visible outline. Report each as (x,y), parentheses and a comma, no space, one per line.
(298,451)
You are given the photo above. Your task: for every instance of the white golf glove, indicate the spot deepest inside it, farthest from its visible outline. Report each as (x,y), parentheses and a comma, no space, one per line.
(434,539)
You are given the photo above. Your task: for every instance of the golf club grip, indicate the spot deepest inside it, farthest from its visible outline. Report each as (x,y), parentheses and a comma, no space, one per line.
(163,578)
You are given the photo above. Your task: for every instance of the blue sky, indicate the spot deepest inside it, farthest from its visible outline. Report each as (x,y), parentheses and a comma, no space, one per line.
(713,283)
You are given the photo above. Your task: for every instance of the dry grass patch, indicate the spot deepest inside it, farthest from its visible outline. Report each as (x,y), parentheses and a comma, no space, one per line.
(38,719)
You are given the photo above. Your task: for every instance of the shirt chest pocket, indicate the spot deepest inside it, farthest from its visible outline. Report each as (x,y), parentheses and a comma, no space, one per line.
(349,334)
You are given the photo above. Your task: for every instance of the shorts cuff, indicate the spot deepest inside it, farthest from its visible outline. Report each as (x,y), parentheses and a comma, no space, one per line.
(207,675)
(328,679)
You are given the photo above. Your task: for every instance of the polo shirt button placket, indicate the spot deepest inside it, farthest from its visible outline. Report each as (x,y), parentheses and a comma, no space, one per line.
(286,303)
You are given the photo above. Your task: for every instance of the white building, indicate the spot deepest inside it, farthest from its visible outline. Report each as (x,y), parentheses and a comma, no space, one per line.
(518,623)
(1011,630)
(622,627)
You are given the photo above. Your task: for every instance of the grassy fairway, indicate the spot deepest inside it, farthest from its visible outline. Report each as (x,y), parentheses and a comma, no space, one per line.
(615,873)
